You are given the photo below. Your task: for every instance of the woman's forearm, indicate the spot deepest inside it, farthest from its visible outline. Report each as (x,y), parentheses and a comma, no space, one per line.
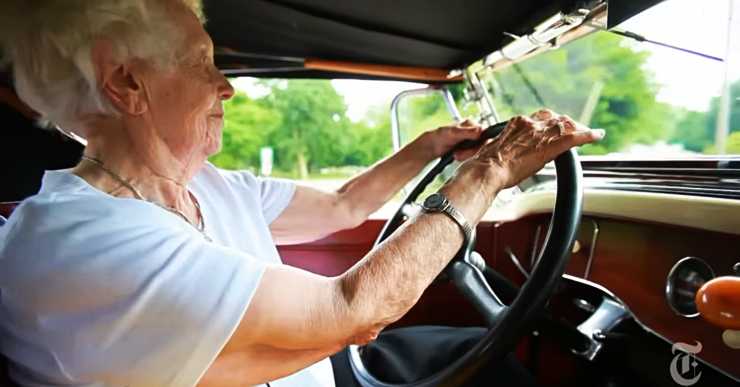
(385,284)
(367,192)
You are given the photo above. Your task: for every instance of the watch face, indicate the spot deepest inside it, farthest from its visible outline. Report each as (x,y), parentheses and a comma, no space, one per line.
(434,201)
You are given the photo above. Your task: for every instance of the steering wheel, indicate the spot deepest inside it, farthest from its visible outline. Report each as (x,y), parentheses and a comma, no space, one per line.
(506,324)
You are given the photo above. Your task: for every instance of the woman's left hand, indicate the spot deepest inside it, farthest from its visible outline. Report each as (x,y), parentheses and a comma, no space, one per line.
(439,141)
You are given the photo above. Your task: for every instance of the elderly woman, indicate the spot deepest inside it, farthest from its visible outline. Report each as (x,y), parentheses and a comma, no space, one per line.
(146,266)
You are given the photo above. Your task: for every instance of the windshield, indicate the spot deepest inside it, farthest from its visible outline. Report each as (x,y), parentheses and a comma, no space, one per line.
(653,101)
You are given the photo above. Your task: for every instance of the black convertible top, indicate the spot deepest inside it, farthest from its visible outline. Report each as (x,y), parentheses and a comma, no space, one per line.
(274,37)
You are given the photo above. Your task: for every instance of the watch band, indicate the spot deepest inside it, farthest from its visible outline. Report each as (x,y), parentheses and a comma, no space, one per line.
(438,202)
(459,218)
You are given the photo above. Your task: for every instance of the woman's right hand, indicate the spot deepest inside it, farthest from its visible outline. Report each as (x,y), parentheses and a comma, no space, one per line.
(528,143)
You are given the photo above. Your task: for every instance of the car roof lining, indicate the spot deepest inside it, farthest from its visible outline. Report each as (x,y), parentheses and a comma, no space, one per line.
(427,33)
(416,33)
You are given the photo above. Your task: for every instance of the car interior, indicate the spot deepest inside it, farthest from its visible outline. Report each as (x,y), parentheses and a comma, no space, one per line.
(597,272)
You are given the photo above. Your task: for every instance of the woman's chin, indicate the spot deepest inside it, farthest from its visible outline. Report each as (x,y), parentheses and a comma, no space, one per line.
(213,141)
(212,148)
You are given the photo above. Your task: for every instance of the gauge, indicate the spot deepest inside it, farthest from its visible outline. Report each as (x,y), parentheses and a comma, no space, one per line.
(682,283)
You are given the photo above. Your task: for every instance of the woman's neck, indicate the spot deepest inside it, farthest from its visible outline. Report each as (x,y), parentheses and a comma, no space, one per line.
(148,167)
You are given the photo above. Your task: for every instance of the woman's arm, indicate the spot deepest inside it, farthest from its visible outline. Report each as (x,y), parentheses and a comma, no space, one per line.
(294,310)
(365,193)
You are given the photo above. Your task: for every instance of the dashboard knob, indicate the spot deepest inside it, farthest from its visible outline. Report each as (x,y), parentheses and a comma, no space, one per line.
(731,338)
(718,301)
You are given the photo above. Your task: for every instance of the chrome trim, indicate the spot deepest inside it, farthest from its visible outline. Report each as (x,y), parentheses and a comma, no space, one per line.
(395,124)
(640,323)
(477,92)
(395,129)
(669,290)
(592,249)
(533,258)
(451,106)
(516,262)
(606,317)
(593,285)
(543,35)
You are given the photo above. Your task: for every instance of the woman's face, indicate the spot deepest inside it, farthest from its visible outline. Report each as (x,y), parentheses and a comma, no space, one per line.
(185,99)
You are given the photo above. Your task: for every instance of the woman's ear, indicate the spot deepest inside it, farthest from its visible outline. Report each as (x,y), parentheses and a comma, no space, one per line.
(116,81)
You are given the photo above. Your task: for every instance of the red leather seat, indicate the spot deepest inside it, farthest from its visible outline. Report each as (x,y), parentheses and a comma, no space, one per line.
(6,208)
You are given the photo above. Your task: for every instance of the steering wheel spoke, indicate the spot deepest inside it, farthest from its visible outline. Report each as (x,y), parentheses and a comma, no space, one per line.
(473,285)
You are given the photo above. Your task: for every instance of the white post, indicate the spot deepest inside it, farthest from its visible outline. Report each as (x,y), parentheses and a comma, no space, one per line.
(266,161)
(723,113)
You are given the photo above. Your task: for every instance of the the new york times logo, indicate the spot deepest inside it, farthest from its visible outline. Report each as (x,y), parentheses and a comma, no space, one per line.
(683,368)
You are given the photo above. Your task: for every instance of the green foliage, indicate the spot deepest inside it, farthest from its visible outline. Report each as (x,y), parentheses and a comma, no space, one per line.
(370,139)
(693,130)
(305,122)
(565,79)
(696,130)
(734,113)
(313,124)
(733,143)
(246,130)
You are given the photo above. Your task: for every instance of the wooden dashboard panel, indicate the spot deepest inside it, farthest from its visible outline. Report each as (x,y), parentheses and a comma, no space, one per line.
(632,259)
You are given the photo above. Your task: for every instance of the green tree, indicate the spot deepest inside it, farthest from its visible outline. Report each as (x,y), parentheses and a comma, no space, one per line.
(305,123)
(692,130)
(312,130)
(711,123)
(599,65)
(733,143)
(370,139)
(246,129)
(696,130)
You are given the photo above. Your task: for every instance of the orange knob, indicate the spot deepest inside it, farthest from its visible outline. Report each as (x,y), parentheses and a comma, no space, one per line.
(718,302)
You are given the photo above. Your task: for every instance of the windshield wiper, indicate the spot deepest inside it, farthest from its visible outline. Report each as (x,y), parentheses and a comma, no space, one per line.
(640,38)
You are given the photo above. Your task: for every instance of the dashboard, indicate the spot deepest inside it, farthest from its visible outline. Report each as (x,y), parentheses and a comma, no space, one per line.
(651,251)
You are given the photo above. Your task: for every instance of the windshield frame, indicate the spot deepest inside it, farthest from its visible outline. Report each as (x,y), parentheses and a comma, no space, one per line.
(595,22)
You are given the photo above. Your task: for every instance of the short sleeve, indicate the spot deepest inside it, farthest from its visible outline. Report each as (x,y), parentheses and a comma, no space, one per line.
(275,195)
(121,305)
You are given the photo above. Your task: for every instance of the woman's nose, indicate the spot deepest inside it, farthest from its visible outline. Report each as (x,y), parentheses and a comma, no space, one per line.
(225,90)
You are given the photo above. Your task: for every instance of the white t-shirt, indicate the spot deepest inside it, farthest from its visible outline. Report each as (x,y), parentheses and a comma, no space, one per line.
(103,291)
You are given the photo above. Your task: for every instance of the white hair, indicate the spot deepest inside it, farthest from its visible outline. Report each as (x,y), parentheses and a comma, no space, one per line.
(49,44)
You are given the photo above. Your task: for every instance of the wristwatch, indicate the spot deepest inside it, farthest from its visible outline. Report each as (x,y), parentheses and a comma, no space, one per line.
(438,202)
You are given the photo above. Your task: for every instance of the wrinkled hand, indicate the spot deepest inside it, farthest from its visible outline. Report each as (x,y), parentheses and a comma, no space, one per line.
(528,143)
(443,139)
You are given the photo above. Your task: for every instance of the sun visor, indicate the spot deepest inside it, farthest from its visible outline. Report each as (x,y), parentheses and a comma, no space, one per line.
(621,10)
